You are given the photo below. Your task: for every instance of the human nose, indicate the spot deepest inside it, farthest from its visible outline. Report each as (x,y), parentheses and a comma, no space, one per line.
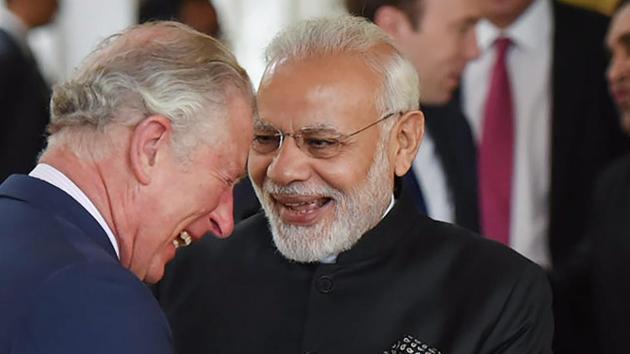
(221,219)
(289,163)
(618,68)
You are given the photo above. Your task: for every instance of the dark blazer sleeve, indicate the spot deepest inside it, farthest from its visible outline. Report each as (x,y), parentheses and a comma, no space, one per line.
(92,308)
(525,325)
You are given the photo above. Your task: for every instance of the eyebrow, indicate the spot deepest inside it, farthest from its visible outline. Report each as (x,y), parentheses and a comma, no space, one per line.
(261,124)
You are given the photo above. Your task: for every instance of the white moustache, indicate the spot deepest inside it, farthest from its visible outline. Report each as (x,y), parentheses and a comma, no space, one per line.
(302,189)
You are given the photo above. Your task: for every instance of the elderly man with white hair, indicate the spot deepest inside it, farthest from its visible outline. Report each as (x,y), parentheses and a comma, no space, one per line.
(147,140)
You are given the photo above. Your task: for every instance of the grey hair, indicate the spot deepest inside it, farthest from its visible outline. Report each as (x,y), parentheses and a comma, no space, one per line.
(400,90)
(159,68)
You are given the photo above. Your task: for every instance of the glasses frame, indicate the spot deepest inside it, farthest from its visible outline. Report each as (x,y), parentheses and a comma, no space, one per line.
(342,138)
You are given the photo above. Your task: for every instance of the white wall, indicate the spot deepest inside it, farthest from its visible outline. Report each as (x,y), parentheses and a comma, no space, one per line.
(78,27)
(248,25)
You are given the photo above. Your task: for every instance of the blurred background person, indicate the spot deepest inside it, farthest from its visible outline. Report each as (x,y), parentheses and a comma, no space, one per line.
(198,14)
(24,94)
(545,126)
(610,228)
(438,36)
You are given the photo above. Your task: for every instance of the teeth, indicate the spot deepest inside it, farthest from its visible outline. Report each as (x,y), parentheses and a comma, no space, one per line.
(305,207)
(182,240)
(185,237)
(294,205)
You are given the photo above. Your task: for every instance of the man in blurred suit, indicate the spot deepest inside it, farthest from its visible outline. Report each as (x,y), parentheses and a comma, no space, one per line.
(438,37)
(610,228)
(24,94)
(148,137)
(337,263)
(538,106)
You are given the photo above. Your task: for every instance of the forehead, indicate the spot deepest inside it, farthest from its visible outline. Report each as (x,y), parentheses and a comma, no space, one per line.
(620,26)
(327,90)
(231,149)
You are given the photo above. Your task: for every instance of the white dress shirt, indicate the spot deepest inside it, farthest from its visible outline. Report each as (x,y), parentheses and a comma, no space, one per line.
(529,65)
(53,176)
(431,177)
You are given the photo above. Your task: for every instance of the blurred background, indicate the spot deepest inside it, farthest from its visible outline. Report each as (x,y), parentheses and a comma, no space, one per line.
(246,26)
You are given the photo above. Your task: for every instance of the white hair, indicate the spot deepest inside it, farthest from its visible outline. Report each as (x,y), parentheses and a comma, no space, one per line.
(160,68)
(400,90)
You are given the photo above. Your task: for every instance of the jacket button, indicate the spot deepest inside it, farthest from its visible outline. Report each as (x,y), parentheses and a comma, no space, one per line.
(324,284)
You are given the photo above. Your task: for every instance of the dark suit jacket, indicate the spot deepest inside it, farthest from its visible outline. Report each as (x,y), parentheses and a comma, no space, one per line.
(62,288)
(610,235)
(455,147)
(409,276)
(24,100)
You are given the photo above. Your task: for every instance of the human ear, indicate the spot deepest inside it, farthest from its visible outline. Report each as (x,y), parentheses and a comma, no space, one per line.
(393,21)
(149,141)
(408,134)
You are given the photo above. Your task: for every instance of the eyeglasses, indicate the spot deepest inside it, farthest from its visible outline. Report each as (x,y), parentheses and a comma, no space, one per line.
(320,143)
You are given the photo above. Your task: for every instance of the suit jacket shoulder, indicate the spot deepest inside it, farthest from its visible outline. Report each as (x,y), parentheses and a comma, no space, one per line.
(68,293)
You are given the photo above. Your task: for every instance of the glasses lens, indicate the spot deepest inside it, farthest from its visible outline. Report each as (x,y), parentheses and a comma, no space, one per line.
(266,142)
(320,145)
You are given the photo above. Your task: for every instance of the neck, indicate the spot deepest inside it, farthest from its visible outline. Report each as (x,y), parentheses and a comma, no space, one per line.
(98,186)
(505,19)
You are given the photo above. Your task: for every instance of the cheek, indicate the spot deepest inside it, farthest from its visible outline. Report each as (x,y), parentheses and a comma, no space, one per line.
(344,175)
(257,167)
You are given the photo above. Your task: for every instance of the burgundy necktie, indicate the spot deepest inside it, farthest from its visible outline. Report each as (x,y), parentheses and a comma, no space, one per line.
(496,151)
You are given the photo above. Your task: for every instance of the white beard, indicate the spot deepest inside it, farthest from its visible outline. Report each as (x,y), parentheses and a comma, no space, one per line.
(355,213)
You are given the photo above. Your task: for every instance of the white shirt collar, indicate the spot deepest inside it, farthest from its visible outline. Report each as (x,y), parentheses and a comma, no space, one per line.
(531,30)
(55,177)
(332,259)
(15,27)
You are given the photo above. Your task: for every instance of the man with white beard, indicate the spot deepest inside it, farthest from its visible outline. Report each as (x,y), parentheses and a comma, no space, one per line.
(337,264)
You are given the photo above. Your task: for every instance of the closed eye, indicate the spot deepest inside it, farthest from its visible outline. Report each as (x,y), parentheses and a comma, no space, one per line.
(266,139)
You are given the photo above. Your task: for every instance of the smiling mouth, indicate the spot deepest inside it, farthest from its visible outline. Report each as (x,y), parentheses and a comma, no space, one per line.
(302,210)
(305,206)
(182,240)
